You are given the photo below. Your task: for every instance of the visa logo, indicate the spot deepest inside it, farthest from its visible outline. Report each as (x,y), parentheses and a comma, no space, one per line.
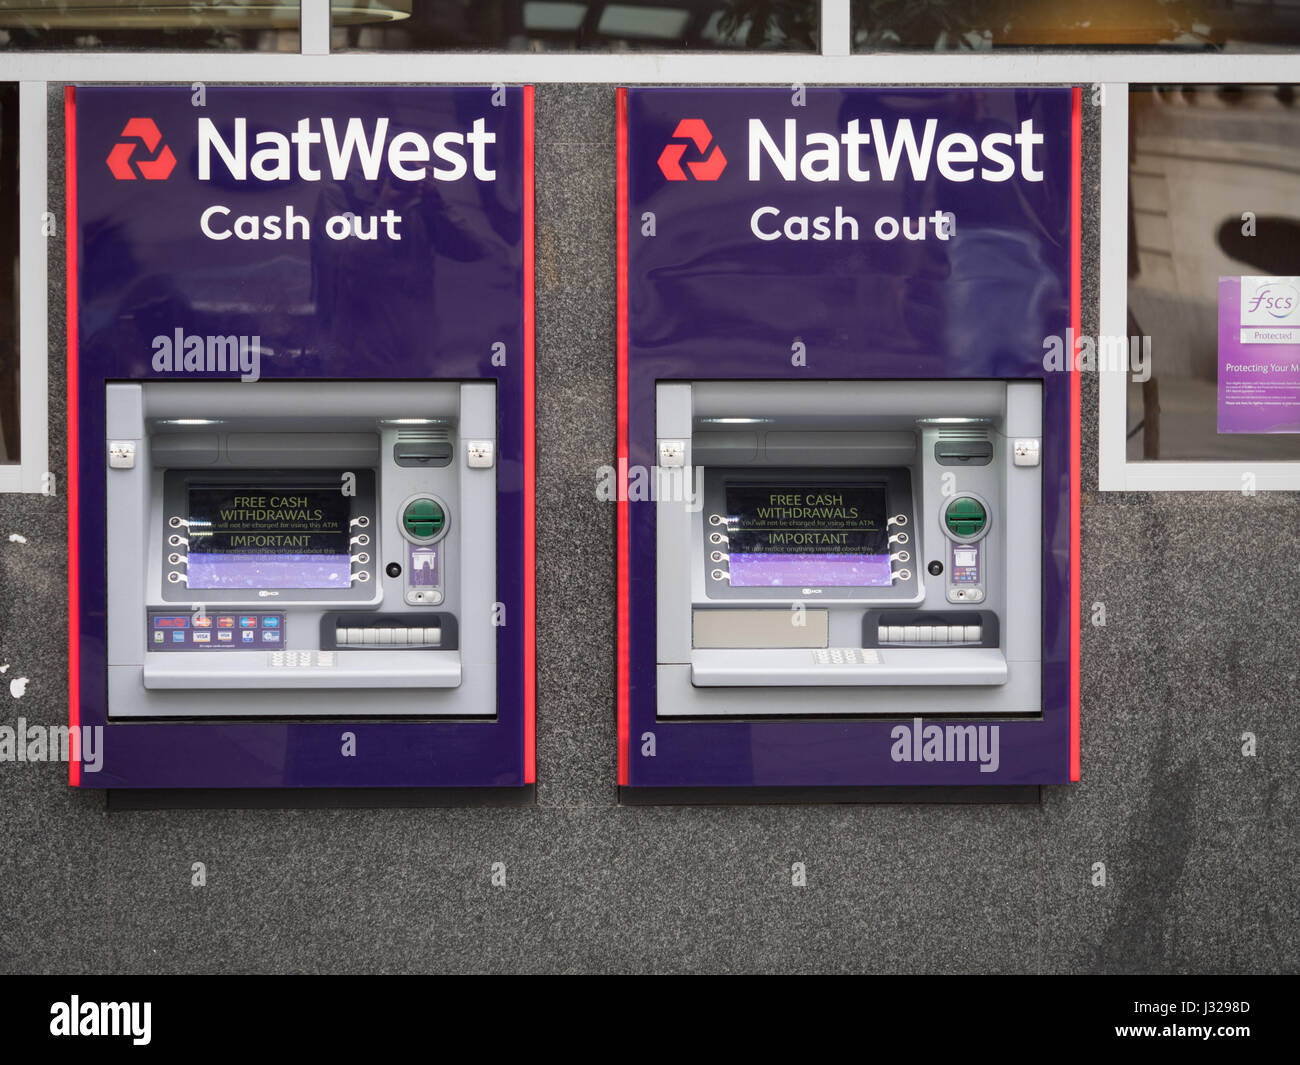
(884,152)
(319,149)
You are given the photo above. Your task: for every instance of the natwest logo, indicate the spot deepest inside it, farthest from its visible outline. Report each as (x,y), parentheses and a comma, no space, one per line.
(864,150)
(704,169)
(126,165)
(320,149)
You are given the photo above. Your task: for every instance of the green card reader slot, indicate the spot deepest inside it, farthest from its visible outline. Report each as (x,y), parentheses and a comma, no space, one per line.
(965,517)
(423,519)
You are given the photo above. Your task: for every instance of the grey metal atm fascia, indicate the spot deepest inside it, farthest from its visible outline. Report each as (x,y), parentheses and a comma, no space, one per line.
(829,425)
(273,425)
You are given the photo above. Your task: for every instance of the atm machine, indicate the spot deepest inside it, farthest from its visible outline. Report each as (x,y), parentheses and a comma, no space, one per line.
(300,473)
(879,542)
(300,549)
(855,567)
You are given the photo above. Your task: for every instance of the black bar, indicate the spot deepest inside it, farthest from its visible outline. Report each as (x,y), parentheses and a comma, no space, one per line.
(1042,1018)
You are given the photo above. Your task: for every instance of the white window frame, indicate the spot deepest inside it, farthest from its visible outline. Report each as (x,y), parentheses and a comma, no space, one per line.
(1115,470)
(836,65)
(28,474)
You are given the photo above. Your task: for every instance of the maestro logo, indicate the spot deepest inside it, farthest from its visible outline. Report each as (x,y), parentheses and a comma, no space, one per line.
(154,163)
(692,131)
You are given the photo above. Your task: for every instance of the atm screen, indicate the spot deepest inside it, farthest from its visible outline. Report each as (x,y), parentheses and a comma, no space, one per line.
(268,536)
(815,535)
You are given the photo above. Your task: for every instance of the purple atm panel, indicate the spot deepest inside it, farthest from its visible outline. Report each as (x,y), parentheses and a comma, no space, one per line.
(860,261)
(316,249)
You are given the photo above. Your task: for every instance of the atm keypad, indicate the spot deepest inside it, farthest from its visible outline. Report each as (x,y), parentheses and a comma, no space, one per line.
(846,656)
(302,660)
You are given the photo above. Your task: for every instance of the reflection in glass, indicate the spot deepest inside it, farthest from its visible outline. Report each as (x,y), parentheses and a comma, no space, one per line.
(9,431)
(171,25)
(572,25)
(965,25)
(1201,158)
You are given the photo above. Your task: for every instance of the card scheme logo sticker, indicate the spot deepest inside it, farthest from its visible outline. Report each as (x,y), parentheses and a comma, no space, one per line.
(692,133)
(141,153)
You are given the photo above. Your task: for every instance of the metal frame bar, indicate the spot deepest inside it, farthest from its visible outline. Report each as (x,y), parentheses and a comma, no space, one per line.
(28,474)
(314,27)
(646,68)
(836,27)
(835,65)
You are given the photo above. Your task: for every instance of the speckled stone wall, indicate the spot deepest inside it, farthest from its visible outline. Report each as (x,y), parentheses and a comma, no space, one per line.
(1199,842)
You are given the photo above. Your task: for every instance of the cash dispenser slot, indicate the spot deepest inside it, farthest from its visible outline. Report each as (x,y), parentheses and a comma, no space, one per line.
(947,628)
(388,632)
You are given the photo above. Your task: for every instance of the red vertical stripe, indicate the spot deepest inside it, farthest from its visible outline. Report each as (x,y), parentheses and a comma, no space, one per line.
(74,542)
(1076,440)
(624,538)
(530,493)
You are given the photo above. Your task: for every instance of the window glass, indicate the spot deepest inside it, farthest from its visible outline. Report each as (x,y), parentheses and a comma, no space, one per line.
(961,25)
(571,25)
(165,25)
(1214,231)
(9,380)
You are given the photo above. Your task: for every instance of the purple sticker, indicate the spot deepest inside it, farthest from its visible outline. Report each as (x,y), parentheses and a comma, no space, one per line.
(423,567)
(787,534)
(1259,354)
(825,571)
(269,571)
